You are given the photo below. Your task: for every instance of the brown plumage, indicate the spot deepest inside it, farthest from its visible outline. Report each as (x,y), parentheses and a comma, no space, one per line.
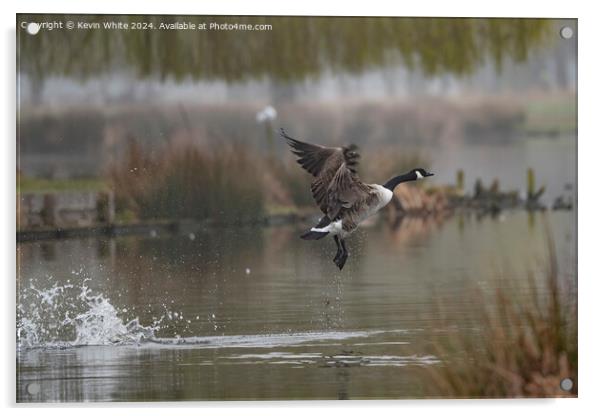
(343,198)
(336,187)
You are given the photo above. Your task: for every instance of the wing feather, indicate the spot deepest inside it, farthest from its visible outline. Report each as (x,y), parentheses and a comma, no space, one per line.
(344,192)
(313,157)
(336,185)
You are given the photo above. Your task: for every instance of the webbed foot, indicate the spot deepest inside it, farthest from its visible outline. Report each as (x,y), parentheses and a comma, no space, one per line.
(341,259)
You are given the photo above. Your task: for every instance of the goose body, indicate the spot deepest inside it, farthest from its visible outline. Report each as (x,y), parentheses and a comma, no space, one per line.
(349,220)
(342,197)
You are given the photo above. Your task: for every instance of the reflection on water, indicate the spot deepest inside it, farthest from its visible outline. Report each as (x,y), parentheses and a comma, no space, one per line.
(257,313)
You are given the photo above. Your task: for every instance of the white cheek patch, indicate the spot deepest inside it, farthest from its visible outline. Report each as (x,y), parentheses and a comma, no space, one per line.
(419,175)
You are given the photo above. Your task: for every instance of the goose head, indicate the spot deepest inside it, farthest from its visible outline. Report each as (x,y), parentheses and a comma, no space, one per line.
(413,175)
(421,174)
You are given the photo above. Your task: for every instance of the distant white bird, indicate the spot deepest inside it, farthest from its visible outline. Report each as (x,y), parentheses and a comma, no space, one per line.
(344,199)
(269,113)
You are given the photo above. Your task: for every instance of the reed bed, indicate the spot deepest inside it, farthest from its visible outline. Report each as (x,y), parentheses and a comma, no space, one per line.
(517,348)
(223,184)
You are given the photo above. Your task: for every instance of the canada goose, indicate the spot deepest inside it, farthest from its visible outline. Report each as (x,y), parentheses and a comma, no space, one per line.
(342,197)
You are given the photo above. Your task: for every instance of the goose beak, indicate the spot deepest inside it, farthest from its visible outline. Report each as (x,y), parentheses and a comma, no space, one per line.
(429,174)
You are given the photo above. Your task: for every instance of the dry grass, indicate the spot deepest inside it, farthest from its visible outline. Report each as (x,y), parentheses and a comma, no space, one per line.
(288,176)
(518,350)
(187,182)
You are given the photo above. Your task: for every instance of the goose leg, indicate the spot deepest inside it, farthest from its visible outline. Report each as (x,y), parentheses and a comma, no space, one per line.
(341,259)
(339,249)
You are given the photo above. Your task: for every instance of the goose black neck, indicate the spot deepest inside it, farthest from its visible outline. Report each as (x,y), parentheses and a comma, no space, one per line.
(393,182)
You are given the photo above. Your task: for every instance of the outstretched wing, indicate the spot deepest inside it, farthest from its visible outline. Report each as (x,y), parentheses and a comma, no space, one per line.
(345,191)
(313,157)
(326,164)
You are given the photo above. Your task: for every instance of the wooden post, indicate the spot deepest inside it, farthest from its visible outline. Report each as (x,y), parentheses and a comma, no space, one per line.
(478,189)
(495,187)
(105,207)
(111,207)
(460,181)
(533,195)
(530,184)
(49,212)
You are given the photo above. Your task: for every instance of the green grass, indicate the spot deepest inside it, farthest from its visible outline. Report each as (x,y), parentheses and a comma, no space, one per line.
(552,115)
(57,185)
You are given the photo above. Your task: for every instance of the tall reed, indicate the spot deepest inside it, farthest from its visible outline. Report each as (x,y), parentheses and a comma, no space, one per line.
(518,348)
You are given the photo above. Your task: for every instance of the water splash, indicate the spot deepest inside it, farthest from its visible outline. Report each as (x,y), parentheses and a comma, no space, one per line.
(100,324)
(70,315)
(73,315)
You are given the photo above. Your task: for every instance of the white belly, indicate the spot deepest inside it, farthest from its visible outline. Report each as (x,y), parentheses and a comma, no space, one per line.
(384,197)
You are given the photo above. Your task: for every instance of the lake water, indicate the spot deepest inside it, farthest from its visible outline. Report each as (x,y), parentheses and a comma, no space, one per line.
(257,313)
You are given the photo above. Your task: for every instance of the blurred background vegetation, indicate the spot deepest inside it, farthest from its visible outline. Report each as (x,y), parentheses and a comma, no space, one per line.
(125,107)
(295,48)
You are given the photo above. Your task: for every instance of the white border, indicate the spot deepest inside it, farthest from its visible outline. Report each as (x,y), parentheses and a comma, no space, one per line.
(509,8)
(590,137)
